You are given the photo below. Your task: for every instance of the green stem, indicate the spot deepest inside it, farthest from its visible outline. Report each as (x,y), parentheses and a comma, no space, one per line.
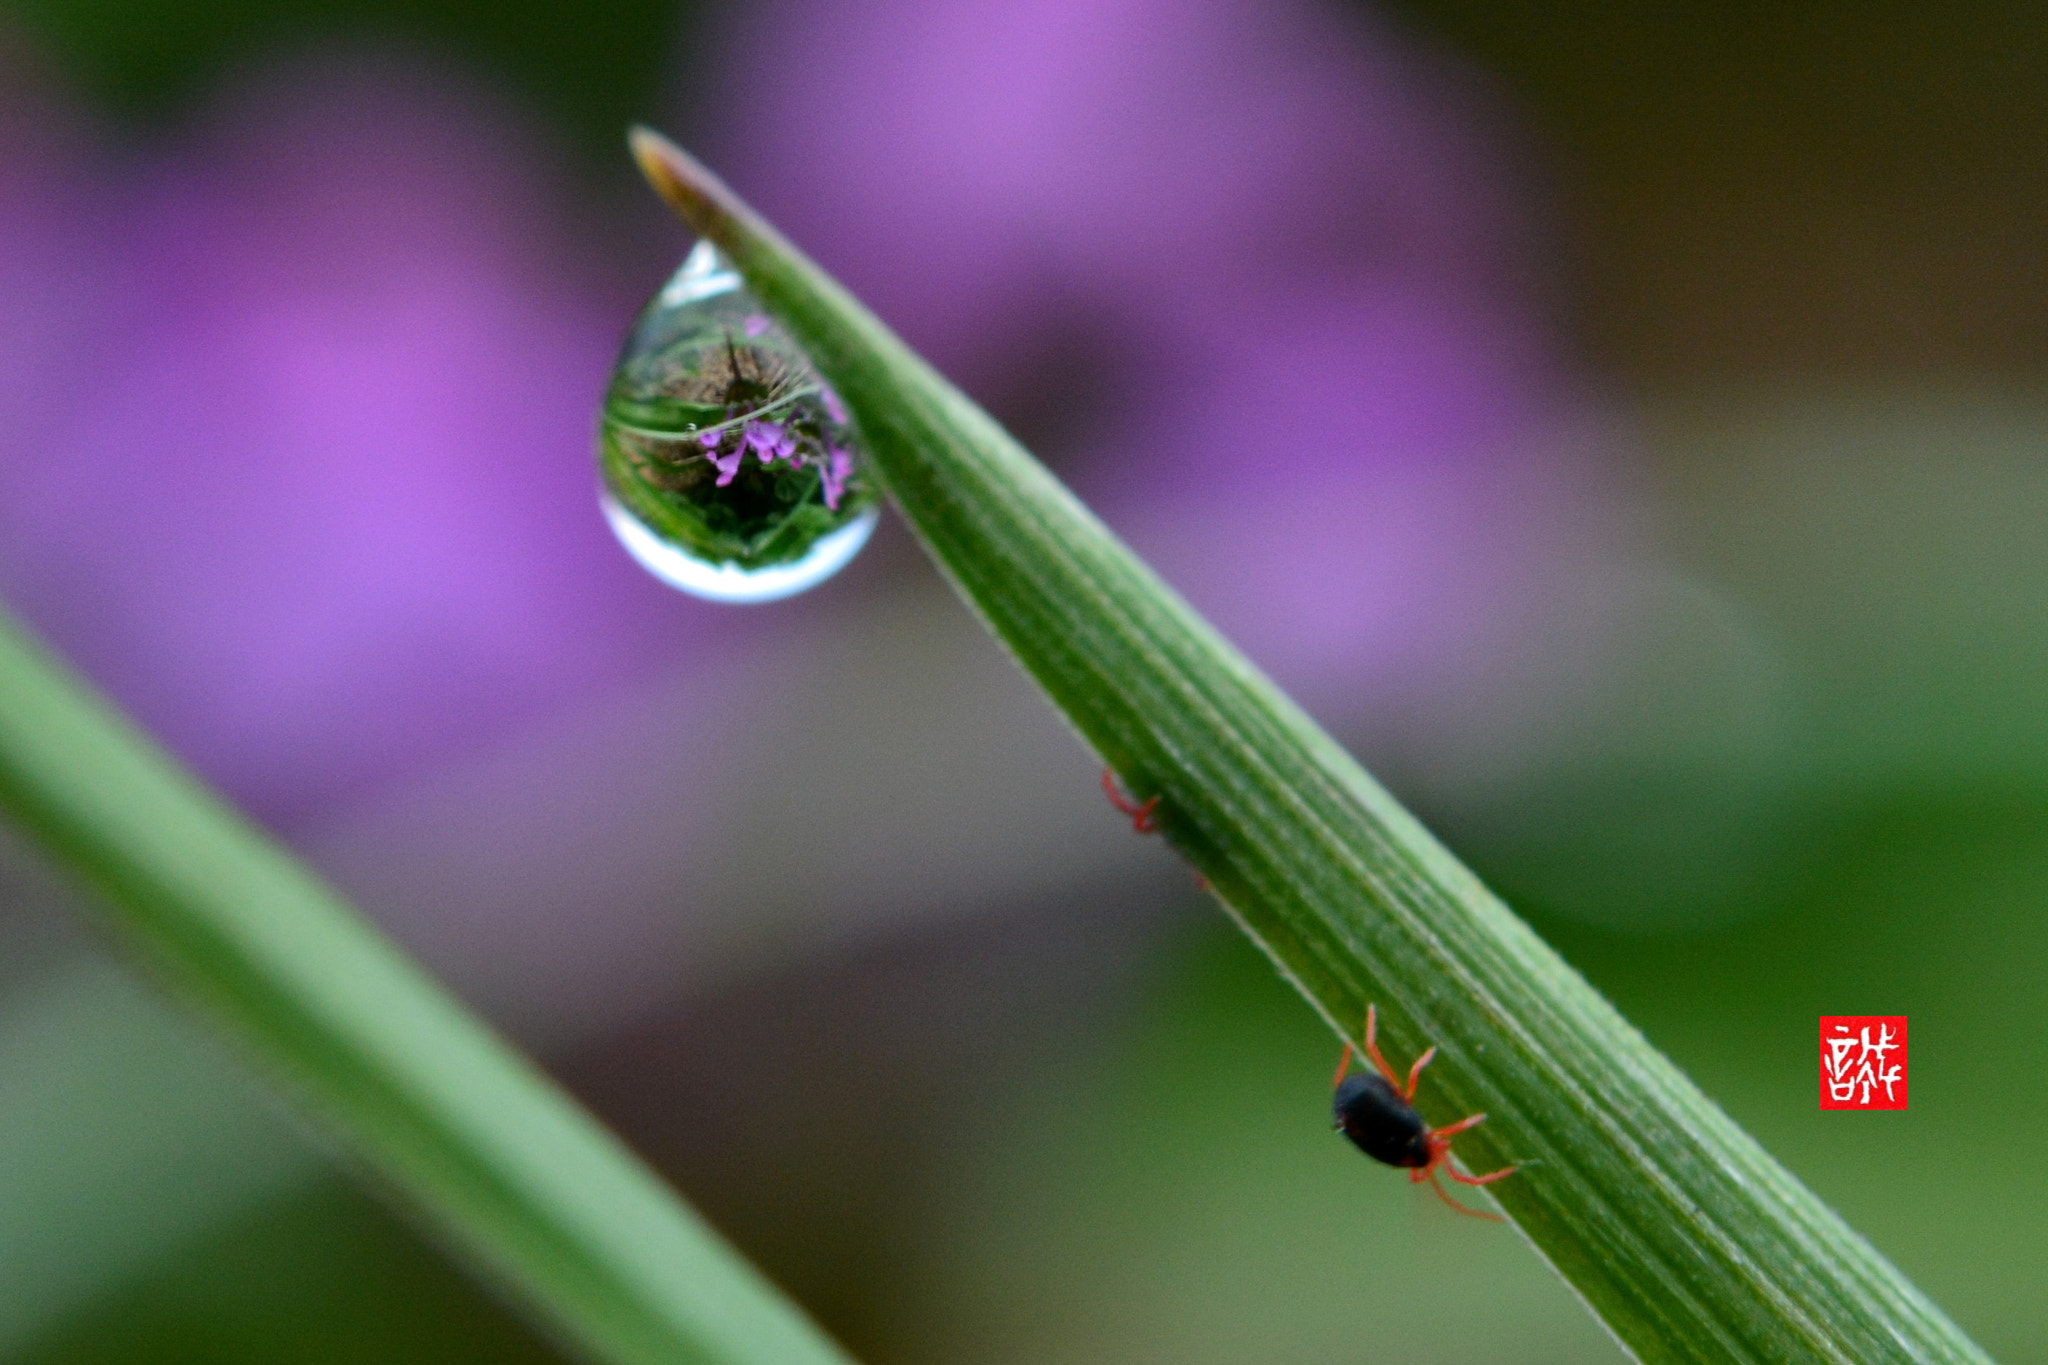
(1687,1239)
(519,1179)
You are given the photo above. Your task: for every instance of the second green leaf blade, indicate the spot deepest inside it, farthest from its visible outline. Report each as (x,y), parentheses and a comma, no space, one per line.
(1687,1239)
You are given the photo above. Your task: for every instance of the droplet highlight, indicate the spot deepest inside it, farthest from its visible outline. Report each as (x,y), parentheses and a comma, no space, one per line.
(730,470)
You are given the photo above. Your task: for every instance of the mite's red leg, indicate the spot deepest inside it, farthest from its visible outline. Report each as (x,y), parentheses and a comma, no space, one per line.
(1141,814)
(1343,1065)
(1372,1047)
(1415,1072)
(1445,1195)
(1440,1148)
(1450,1130)
(1487,1179)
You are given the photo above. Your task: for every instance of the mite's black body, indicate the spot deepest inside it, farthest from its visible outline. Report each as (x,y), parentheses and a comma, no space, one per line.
(1377,1113)
(1379,1122)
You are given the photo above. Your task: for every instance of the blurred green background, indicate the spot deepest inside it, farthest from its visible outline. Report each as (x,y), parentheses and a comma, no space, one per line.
(1025,1095)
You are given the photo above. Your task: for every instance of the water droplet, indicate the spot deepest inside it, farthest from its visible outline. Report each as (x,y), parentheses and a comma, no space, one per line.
(729,468)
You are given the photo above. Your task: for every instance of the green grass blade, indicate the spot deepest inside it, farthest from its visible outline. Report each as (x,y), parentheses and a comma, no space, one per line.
(1677,1229)
(508,1169)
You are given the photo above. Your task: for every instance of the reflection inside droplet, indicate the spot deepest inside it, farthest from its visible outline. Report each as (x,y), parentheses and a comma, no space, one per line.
(729,469)
(726,582)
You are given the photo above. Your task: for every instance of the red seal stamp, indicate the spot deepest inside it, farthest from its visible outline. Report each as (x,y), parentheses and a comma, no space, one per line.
(1863,1061)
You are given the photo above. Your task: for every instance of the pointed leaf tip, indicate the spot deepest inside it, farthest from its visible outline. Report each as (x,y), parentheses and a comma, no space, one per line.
(698,197)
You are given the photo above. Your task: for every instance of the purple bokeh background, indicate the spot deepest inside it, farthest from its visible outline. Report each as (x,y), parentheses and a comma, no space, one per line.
(297,394)
(1283,264)
(297,443)
(298,409)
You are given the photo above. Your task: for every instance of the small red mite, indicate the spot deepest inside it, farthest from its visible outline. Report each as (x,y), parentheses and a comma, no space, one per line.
(1376,1113)
(1141,815)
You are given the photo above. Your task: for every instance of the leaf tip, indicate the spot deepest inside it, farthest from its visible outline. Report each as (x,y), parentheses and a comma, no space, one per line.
(694,193)
(658,159)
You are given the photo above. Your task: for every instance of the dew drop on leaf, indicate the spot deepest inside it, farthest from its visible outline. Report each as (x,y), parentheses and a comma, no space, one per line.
(729,469)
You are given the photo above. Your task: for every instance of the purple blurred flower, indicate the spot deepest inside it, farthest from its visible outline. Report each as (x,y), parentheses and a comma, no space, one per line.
(770,442)
(313,496)
(728,464)
(838,467)
(57,229)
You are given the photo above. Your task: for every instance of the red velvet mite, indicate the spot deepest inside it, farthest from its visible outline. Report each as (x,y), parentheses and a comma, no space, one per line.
(1376,1113)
